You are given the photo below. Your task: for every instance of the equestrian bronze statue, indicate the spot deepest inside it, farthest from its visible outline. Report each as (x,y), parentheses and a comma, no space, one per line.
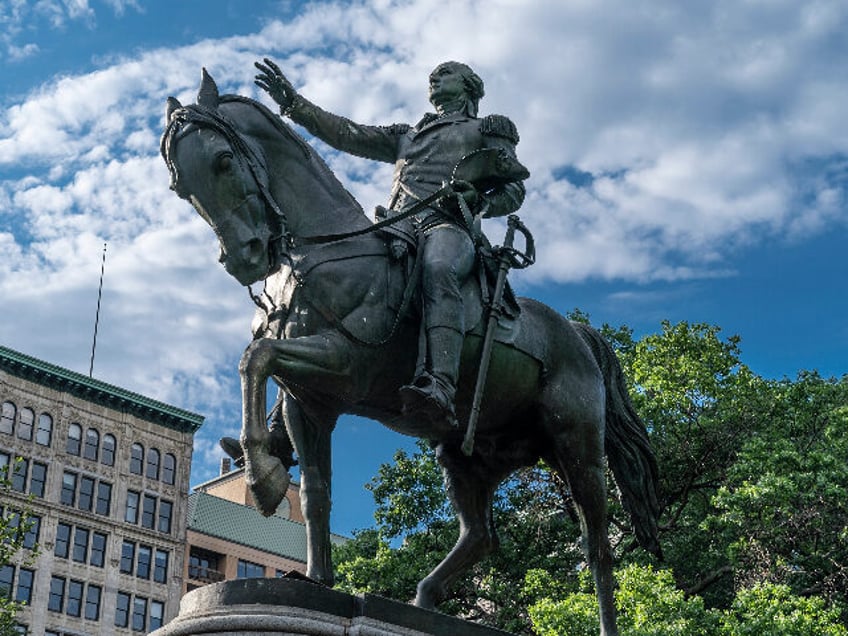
(349,317)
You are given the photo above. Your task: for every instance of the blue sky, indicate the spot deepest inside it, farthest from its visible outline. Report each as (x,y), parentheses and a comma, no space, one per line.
(689,162)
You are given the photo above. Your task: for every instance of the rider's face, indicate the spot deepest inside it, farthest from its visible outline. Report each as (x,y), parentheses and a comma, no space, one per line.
(446,85)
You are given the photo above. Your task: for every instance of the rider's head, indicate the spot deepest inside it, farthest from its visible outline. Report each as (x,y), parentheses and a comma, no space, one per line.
(454,86)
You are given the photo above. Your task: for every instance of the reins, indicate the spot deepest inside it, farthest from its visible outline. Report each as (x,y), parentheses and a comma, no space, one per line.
(206,117)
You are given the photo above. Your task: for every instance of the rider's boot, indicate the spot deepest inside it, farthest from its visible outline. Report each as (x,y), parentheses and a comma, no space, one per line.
(432,393)
(280,446)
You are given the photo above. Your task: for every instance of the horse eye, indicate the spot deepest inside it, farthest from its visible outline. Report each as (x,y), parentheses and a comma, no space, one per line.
(224,162)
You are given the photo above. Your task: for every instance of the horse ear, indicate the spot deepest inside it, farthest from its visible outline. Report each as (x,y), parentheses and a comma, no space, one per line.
(171,107)
(207,96)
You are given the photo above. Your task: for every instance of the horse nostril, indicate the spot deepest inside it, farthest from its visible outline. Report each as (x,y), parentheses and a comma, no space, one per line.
(222,256)
(255,249)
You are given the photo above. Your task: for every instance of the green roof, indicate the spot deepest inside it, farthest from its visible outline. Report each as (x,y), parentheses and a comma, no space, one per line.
(245,526)
(98,392)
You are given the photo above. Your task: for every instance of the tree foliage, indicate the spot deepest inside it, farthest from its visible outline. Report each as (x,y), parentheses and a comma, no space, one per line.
(14,526)
(754,490)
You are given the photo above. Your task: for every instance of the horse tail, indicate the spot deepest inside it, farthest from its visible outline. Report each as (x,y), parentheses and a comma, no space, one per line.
(628,449)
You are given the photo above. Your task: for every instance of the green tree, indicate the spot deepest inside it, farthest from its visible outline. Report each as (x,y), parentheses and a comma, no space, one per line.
(784,506)
(772,610)
(753,490)
(650,604)
(700,404)
(647,600)
(13,529)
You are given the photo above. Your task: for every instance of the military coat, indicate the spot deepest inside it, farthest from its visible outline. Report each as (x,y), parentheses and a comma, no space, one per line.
(424,155)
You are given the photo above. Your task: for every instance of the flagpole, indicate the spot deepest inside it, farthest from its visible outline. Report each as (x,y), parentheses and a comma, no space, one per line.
(97,315)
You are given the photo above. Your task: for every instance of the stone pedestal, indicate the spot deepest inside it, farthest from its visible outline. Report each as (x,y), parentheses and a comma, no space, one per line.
(294,607)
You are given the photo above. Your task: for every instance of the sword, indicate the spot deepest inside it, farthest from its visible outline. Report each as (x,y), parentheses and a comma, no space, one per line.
(507,257)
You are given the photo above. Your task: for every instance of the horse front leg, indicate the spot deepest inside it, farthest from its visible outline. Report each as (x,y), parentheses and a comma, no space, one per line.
(310,430)
(305,361)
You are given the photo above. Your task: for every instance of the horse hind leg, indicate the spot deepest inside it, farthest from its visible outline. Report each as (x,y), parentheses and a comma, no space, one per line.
(471,495)
(578,457)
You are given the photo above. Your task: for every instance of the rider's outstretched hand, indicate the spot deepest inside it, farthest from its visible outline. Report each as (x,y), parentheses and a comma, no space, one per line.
(272,80)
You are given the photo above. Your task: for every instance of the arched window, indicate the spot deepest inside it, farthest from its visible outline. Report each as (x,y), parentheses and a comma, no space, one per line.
(44,432)
(25,421)
(137,459)
(74,444)
(153,464)
(92,444)
(169,469)
(107,455)
(7,417)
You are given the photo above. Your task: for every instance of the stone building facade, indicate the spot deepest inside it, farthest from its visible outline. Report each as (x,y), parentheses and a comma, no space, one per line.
(105,475)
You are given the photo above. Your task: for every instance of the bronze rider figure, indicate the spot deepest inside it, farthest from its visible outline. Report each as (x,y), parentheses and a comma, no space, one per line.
(425,156)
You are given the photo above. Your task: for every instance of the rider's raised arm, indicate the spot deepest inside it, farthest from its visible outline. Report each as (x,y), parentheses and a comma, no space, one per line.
(372,142)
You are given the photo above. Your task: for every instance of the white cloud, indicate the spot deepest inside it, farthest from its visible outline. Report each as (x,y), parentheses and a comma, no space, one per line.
(695,129)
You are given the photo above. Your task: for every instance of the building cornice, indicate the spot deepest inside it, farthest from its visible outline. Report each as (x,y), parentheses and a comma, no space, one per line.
(108,395)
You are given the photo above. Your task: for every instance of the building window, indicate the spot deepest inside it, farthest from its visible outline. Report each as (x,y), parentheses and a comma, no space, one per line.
(80,549)
(30,531)
(169,469)
(63,540)
(107,455)
(44,432)
(157,614)
(38,479)
(92,602)
(152,464)
(7,580)
(25,579)
(4,465)
(19,474)
(131,515)
(74,443)
(7,417)
(122,610)
(25,421)
(127,557)
(98,549)
(145,553)
(203,565)
(166,509)
(139,614)
(68,496)
(248,570)
(86,493)
(92,444)
(104,499)
(160,566)
(56,599)
(148,512)
(136,459)
(74,605)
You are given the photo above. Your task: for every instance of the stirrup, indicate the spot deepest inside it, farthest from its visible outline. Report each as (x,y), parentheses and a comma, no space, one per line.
(430,397)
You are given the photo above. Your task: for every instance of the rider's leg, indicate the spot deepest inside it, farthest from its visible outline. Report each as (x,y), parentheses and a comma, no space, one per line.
(448,261)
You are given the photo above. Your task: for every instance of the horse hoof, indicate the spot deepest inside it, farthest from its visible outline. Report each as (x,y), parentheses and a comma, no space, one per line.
(427,596)
(268,481)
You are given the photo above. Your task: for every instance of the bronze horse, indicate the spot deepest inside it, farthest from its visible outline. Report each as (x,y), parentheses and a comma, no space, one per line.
(334,331)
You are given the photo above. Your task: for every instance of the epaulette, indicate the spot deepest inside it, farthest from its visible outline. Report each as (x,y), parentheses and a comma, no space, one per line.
(398,129)
(499,126)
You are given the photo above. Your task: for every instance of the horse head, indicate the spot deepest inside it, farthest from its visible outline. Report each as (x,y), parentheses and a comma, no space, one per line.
(221,169)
